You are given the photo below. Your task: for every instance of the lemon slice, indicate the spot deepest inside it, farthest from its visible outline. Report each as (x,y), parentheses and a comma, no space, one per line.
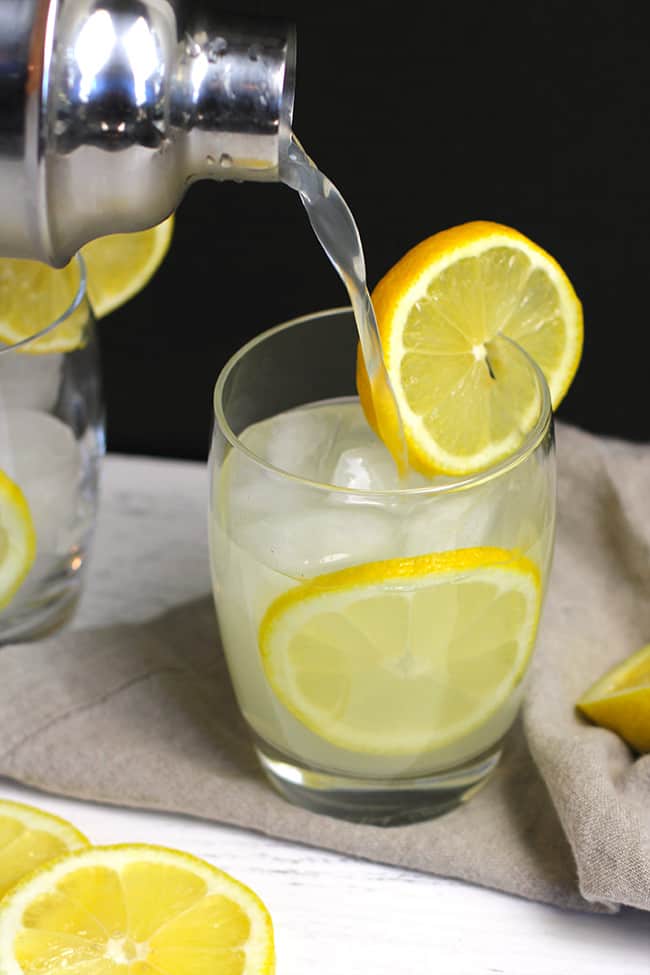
(17,539)
(404,655)
(620,700)
(134,910)
(30,837)
(120,265)
(34,295)
(445,313)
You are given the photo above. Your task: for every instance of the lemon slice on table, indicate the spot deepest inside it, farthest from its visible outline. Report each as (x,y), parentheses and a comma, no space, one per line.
(403,655)
(30,837)
(134,910)
(34,295)
(620,700)
(445,312)
(17,539)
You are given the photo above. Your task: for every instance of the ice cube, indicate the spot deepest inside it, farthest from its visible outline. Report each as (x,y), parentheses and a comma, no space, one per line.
(442,522)
(30,381)
(303,443)
(364,469)
(245,492)
(299,441)
(46,463)
(320,538)
(370,467)
(298,528)
(512,511)
(525,516)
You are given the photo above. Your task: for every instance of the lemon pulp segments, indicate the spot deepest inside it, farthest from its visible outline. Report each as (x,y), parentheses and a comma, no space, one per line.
(30,837)
(446,312)
(17,539)
(405,655)
(134,910)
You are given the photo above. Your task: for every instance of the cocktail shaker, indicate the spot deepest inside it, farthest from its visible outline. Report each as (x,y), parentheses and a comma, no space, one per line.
(110,109)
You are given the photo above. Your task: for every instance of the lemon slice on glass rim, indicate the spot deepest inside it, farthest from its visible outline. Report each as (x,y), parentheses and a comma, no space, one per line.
(403,655)
(134,909)
(34,295)
(446,312)
(120,265)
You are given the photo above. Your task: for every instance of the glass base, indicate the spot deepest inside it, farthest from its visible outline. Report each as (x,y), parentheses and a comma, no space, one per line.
(41,619)
(376,802)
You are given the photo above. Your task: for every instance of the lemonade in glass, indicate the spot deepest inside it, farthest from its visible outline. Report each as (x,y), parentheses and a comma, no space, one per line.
(378,629)
(51,445)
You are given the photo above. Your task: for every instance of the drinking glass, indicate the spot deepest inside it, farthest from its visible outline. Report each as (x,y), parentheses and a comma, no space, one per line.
(51,444)
(378,632)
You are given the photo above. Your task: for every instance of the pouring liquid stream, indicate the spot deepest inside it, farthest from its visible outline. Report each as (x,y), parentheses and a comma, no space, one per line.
(337,233)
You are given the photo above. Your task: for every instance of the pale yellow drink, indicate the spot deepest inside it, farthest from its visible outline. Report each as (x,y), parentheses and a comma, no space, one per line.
(326,705)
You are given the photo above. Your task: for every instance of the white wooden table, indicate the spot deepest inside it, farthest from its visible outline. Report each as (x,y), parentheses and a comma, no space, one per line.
(333,915)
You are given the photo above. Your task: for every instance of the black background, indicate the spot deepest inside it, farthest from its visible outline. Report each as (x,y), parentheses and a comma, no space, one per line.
(425,116)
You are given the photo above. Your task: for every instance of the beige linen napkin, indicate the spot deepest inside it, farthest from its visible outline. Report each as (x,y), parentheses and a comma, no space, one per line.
(143,715)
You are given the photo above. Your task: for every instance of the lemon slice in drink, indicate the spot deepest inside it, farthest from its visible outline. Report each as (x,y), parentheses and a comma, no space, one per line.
(30,837)
(445,312)
(34,295)
(403,655)
(620,700)
(134,910)
(17,539)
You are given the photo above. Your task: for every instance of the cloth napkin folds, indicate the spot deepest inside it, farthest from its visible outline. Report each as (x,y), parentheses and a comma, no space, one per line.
(144,715)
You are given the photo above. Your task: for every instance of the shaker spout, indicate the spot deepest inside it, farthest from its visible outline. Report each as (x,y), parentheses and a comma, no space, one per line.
(109,112)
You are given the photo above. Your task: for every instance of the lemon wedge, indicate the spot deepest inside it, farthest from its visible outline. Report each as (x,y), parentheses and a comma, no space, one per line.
(34,295)
(620,700)
(30,837)
(17,539)
(134,910)
(445,312)
(403,655)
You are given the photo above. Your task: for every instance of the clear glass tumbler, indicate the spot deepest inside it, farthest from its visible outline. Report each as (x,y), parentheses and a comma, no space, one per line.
(51,443)
(378,631)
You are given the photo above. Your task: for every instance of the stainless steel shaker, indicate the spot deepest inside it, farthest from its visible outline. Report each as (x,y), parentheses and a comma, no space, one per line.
(110,109)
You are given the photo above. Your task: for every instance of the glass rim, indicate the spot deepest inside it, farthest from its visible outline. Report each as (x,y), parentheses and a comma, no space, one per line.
(78,297)
(532,440)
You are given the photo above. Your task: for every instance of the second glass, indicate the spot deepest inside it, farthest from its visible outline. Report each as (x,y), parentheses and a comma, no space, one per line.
(378,633)
(51,443)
